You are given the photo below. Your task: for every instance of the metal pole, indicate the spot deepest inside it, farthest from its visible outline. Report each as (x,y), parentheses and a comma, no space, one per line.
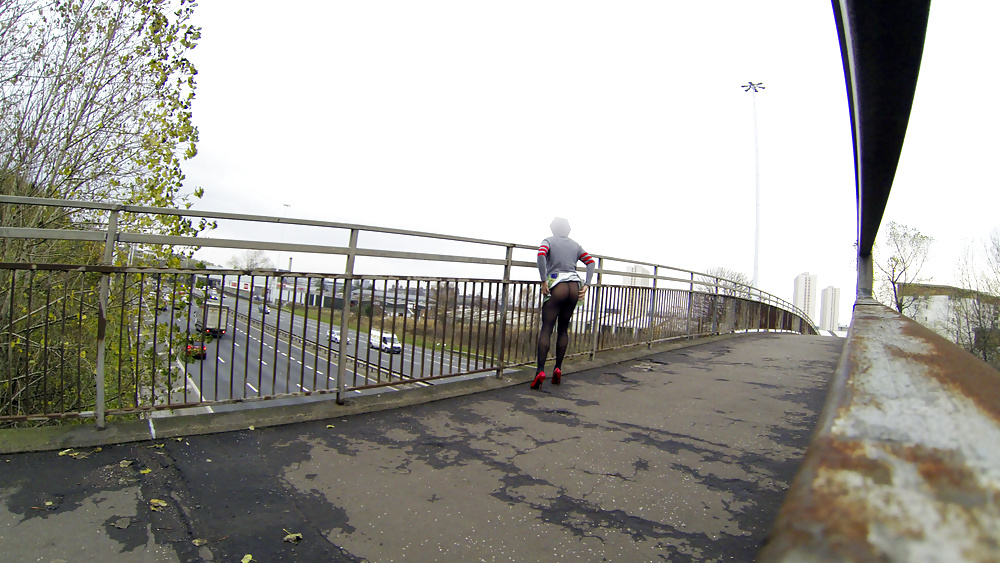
(652,307)
(756,161)
(503,309)
(102,315)
(345,308)
(597,308)
(687,329)
(715,295)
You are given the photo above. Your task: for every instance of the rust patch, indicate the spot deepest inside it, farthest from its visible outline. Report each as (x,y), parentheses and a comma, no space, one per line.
(956,368)
(823,516)
(850,455)
(945,475)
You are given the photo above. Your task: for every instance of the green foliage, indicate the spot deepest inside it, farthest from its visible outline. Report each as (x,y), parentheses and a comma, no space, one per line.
(96,106)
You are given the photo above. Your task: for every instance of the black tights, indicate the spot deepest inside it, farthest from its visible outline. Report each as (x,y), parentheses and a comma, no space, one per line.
(560,306)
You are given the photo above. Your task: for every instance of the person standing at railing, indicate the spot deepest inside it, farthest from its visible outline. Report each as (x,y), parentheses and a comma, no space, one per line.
(562,288)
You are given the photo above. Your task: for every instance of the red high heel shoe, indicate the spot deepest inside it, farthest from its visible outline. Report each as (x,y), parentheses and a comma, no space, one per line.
(556,376)
(539,378)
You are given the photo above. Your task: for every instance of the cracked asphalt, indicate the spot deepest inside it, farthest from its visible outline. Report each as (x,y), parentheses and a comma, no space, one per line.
(683,455)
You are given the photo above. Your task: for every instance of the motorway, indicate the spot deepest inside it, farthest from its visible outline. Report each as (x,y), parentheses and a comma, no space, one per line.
(256,358)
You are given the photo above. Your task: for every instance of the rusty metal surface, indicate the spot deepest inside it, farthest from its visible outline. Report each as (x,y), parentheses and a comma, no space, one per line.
(905,464)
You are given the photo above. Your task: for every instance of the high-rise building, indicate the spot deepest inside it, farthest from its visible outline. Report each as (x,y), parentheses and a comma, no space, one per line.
(638,281)
(829,308)
(805,293)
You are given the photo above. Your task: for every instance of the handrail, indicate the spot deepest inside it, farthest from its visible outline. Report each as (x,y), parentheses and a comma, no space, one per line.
(141,238)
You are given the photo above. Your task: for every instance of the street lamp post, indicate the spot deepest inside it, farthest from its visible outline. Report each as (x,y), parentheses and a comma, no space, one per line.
(753,87)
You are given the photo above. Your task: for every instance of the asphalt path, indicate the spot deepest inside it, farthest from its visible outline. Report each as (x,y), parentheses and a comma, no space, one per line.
(683,455)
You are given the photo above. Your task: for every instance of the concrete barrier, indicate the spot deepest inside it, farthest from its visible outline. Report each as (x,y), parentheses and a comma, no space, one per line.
(905,462)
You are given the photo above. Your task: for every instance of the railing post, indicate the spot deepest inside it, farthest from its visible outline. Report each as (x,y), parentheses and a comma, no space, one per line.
(652,307)
(344,312)
(503,309)
(102,315)
(714,307)
(597,307)
(687,329)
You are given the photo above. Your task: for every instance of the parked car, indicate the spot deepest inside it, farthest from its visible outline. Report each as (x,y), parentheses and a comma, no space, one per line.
(335,336)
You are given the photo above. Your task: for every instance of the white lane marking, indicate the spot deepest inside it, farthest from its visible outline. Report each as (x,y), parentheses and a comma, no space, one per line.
(252,387)
(220,359)
(196,390)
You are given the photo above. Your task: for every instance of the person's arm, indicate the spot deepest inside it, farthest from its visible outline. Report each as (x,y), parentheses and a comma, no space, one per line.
(543,253)
(589,261)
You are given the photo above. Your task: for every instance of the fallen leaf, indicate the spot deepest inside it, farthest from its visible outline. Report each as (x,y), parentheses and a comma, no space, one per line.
(97,449)
(329,426)
(156,504)
(125,463)
(66,452)
(208,460)
(178,439)
(145,471)
(199,542)
(155,446)
(246,558)
(292,538)
(251,427)
(48,503)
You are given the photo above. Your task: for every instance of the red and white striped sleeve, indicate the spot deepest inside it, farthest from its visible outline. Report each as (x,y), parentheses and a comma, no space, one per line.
(542,260)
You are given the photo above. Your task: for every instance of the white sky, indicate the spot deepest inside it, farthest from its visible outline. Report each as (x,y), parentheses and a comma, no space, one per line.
(486,119)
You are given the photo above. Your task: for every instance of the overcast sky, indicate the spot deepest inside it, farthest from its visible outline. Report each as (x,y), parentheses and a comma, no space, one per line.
(487,119)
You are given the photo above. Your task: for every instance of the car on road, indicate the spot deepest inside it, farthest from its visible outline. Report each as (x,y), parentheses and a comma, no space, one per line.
(385,341)
(195,350)
(335,336)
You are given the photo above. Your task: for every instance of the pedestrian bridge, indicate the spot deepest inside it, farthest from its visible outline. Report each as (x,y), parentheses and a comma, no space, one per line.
(902,465)
(683,453)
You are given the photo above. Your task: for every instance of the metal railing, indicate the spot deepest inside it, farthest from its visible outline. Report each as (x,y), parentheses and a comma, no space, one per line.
(120,339)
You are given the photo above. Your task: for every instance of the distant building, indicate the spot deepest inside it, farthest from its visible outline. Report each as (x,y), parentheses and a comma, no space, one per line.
(638,281)
(805,293)
(961,315)
(829,308)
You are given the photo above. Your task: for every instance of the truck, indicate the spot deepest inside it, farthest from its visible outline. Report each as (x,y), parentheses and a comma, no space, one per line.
(385,341)
(214,320)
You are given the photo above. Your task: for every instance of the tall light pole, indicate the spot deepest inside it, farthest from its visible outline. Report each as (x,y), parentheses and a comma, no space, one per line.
(282,231)
(753,87)
(287,207)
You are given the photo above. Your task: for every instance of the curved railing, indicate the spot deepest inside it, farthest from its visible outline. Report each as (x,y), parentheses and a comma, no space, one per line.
(122,337)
